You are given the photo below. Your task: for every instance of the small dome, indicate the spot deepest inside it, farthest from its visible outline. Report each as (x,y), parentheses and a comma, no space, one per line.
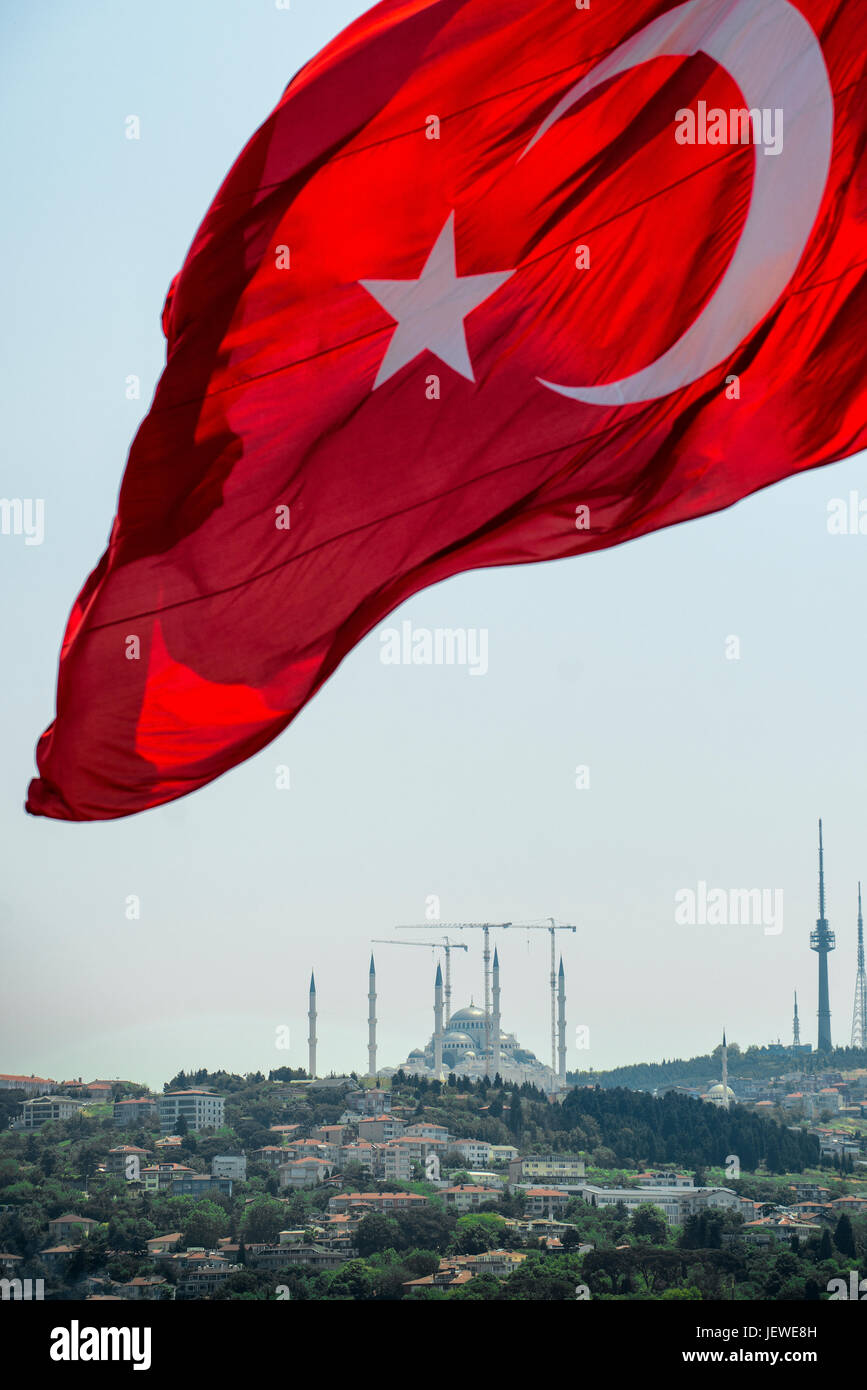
(455,1039)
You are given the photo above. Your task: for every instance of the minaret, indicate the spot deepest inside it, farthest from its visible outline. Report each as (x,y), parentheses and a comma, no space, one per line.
(371,1020)
(859,1013)
(822,941)
(561,1023)
(796,1026)
(725,1075)
(438,1024)
(311,1039)
(496,1018)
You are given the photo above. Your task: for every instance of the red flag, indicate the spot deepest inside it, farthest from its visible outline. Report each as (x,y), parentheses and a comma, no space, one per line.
(494,283)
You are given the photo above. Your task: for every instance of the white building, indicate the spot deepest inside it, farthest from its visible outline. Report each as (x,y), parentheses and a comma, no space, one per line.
(200,1109)
(475,1152)
(37,1111)
(677,1203)
(232,1166)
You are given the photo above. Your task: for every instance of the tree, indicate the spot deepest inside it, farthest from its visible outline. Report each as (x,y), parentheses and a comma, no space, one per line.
(205,1224)
(476,1234)
(649,1223)
(353,1281)
(377,1232)
(844,1236)
(263,1222)
(181,1126)
(516,1116)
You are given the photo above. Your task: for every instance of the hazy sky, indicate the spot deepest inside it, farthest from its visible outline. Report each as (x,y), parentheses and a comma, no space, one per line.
(405,781)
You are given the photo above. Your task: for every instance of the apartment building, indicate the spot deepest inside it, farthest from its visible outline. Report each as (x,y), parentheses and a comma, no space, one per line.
(200,1109)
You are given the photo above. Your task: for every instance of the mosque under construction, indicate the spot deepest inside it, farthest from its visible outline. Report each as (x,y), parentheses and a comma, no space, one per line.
(470,1042)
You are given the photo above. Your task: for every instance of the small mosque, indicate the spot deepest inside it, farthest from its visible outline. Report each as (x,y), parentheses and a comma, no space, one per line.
(722,1094)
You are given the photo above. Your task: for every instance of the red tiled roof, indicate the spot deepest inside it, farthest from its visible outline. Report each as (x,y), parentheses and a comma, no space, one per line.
(11,1076)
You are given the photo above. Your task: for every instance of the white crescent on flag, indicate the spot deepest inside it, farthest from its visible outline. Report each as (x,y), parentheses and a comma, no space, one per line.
(773,55)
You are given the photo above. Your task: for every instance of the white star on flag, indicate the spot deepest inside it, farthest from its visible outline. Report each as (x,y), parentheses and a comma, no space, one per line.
(430,311)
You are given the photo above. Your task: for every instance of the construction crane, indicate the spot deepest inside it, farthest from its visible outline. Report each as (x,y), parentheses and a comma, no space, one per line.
(485,927)
(549,925)
(446,945)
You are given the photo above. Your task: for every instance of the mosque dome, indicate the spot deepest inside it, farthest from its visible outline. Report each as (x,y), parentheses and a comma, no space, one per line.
(416,1052)
(719,1092)
(471,1014)
(454,1038)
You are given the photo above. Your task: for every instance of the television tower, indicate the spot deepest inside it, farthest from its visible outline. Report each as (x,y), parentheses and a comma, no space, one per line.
(796,1027)
(859,1013)
(371,1019)
(822,941)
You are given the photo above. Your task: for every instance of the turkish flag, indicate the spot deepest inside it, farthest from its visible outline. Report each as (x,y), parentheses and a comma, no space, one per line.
(494,283)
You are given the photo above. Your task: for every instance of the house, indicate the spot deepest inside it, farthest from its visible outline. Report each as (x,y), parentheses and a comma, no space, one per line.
(562,1168)
(456,1270)
(146,1287)
(502,1153)
(545,1201)
(158,1177)
(475,1152)
(271,1155)
(391,1162)
(200,1185)
(376,1201)
(664,1179)
(29,1085)
(303,1172)
(782,1228)
(422,1130)
(61,1227)
(329,1134)
(482,1178)
(372,1102)
(138,1110)
(448,1278)
(315,1256)
(40,1109)
(164,1245)
(675,1203)
(378,1128)
(232,1166)
(468,1196)
(854,1205)
(55,1257)
(202,1275)
(125,1161)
